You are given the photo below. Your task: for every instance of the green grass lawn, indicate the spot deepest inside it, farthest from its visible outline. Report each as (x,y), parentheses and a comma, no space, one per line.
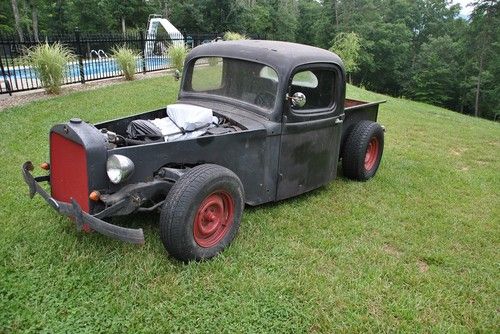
(415,249)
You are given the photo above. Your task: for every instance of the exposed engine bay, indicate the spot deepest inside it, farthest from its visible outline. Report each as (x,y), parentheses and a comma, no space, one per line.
(182,121)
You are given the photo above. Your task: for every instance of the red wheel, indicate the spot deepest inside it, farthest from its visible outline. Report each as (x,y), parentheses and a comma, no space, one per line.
(202,213)
(213,219)
(371,155)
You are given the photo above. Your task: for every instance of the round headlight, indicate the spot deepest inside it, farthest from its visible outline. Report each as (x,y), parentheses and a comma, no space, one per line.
(119,168)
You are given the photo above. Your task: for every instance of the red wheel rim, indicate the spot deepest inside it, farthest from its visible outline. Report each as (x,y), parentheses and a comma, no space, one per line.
(371,154)
(213,219)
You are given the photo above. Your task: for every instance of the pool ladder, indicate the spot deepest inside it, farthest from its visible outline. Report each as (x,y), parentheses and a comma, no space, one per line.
(98,54)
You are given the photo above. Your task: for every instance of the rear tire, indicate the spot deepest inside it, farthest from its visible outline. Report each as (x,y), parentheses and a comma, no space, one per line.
(363,150)
(202,213)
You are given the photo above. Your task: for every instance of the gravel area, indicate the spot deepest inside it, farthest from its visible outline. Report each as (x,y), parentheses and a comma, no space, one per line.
(20,98)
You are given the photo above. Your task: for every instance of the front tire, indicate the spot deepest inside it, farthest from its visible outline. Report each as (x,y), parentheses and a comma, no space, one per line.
(363,151)
(202,213)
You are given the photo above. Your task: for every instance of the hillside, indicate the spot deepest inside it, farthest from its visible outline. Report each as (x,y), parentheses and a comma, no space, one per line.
(414,249)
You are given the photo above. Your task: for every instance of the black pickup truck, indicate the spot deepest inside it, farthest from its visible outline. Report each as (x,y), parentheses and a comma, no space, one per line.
(255,122)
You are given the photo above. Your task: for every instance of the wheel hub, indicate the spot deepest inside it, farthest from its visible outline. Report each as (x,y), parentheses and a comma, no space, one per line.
(213,219)
(371,154)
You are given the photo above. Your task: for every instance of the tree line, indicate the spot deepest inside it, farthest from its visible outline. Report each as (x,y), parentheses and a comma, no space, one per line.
(419,49)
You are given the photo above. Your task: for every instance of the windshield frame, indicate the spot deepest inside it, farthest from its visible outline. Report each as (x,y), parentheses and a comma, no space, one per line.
(188,75)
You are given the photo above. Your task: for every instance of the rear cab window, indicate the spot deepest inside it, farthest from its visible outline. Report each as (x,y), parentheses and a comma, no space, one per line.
(210,78)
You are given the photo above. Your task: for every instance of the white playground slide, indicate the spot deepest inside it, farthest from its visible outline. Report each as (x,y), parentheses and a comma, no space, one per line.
(154,23)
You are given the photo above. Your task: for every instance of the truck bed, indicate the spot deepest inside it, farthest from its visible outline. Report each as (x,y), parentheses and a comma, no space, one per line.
(356,111)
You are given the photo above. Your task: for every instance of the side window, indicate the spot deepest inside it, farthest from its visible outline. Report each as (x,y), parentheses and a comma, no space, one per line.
(318,86)
(207,74)
(305,79)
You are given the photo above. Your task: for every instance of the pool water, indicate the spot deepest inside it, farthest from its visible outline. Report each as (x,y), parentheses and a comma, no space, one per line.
(92,69)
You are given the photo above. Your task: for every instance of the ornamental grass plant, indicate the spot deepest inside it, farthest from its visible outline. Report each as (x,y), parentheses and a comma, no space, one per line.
(177,54)
(50,63)
(233,36)
(126,59)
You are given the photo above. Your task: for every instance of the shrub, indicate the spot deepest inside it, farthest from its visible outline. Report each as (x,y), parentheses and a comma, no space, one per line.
(348,47)
(126,59)
(233,36)
(50,63)
(177,54)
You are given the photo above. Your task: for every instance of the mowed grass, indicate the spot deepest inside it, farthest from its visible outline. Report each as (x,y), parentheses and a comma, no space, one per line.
(413,250)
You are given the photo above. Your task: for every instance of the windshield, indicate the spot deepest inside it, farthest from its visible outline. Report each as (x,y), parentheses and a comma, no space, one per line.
(246,81)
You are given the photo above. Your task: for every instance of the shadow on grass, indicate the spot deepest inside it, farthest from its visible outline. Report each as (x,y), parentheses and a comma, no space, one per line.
(149,222)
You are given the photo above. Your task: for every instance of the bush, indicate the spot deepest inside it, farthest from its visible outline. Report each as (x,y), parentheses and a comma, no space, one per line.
(50,63)
(348,47)
(233,36)
(126,59)
(177,54)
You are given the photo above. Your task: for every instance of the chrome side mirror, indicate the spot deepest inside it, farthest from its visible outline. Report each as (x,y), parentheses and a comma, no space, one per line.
(298,99)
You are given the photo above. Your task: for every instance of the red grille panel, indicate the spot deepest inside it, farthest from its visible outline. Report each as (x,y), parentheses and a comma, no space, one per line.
(68,171)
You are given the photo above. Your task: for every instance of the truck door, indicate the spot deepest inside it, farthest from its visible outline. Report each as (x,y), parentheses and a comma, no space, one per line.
(311,135)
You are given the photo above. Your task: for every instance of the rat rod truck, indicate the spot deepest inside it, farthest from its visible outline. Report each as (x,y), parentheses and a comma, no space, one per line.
(255,122)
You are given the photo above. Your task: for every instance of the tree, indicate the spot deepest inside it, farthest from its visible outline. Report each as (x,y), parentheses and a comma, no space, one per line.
(348,46)
(17,19)
(93,16)
(435,76)
(256,19)
(385,57)
(188,16)
(125,11)
(484,36)
(34,17)
(284,18)
(431,18)
(6,20)
(61,14)
(309,12)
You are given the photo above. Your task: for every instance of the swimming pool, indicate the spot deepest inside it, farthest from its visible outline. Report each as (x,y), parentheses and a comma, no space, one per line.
(92,69)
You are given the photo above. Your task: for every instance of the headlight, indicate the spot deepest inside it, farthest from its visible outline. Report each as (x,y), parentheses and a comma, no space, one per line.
(119,168)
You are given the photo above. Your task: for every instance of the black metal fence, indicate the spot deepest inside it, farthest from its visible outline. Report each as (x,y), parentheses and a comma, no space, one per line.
(94,59)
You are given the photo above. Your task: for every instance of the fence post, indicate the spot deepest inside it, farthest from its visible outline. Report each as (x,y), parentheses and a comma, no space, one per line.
(8,86)
(80,56)
(143,47)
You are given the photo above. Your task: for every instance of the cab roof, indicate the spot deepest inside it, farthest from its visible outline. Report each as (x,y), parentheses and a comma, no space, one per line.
(283,56)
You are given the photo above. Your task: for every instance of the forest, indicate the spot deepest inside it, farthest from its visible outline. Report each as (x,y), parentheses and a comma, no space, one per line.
(418,49)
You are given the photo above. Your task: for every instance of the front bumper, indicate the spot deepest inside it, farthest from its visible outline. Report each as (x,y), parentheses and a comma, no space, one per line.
(82,218)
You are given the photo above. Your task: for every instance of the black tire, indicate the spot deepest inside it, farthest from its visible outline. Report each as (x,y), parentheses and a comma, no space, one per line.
(360,157)
(204,191)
